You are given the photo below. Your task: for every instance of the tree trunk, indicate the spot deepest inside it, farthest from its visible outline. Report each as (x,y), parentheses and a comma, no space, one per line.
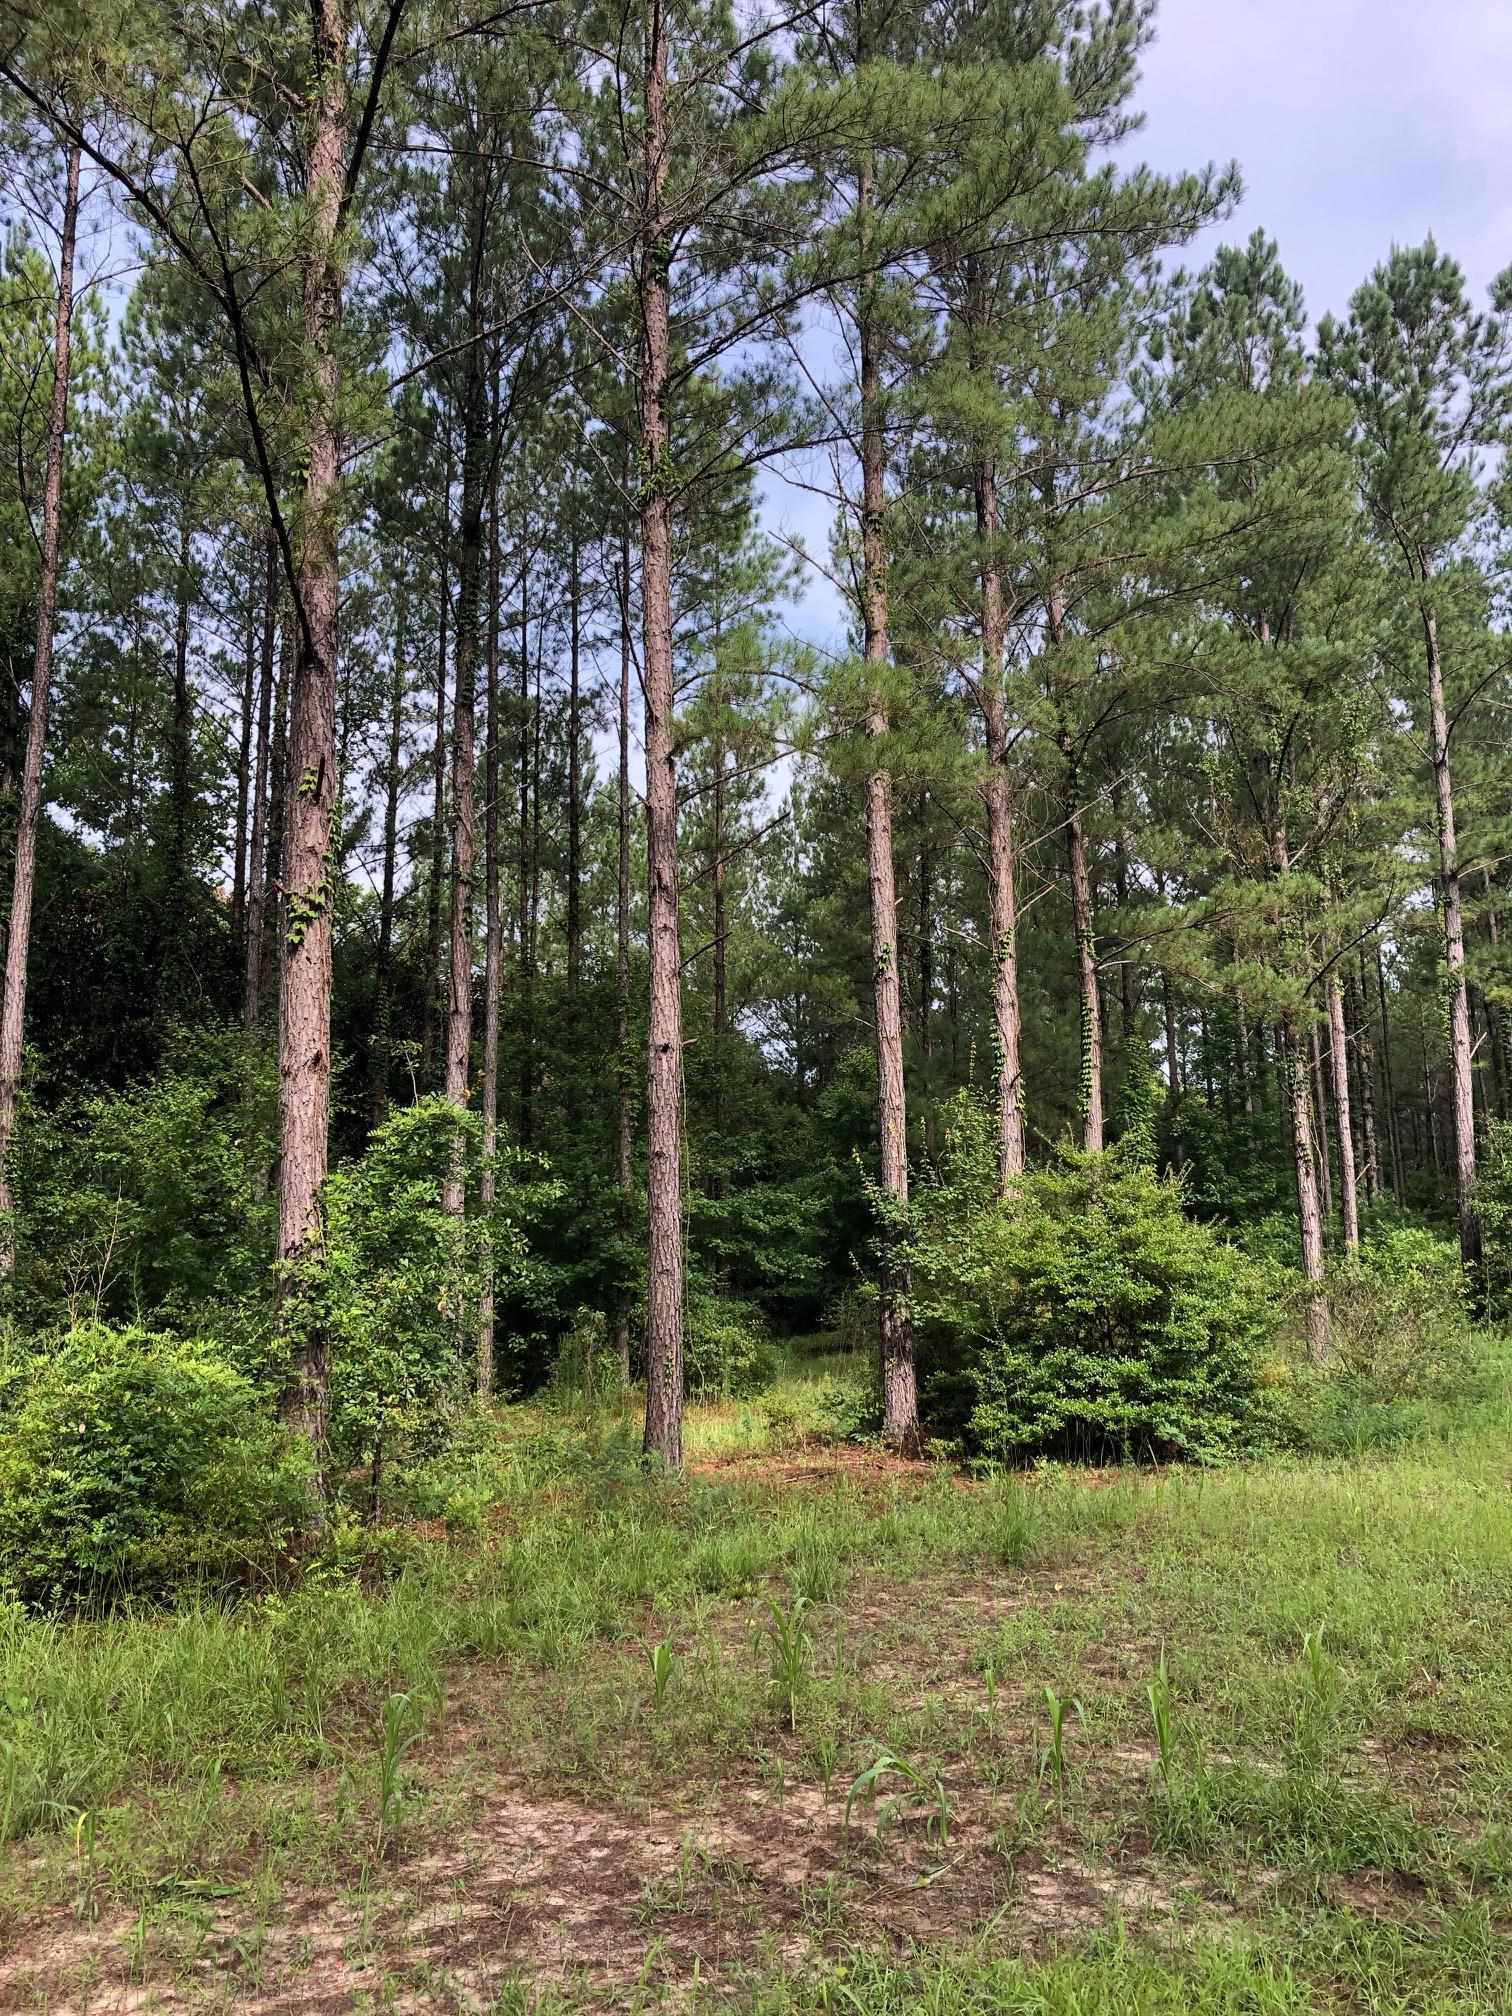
(1320,1121)
(623,1172)
(493,940)
(257,863)
(1393,1124)
(438,810)
(1309,1217)
(1454,954)
(900,1395)
(664,1284)
(525,971)
(1339,1056)
(183,727)
(1088,995)
(380,1058)
(304,1060)
(244,761)
(1364,1056)
(574,784)
(464,838)
(29,808)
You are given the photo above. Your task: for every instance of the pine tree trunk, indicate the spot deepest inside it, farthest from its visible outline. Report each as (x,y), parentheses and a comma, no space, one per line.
(493,940)
(438,811)
(244,761)
(380,1058)
(525,971)
(664,1283)
(1364,1055)
(1454,954)
(900,1396)
(574,785)
(1349,1202)
(1088,994)
(1309,1217)
(623,1170)
(29,807)
(1320,1121)
(464,837)
(1002,865)
(304,1060)
(257,864)
(1393,1123)
(182,734)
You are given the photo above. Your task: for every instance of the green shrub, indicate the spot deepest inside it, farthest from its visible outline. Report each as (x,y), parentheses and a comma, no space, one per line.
(1085,1315)
(727,1353)
(1401,1330)
(586,1365)
(130,1459)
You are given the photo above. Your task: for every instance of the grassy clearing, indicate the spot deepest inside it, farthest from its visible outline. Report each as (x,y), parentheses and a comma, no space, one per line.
(805,1730)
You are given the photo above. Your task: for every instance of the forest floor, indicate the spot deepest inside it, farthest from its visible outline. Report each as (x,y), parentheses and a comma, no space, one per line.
(807,1730)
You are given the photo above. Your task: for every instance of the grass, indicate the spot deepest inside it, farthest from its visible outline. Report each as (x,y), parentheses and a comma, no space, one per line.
(580,1738)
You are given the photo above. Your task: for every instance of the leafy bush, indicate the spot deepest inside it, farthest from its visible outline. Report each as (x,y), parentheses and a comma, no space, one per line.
(586,1367)
(131,1458)
(1400,1326)
(1085,1315)
(396,1285)
(727,1353)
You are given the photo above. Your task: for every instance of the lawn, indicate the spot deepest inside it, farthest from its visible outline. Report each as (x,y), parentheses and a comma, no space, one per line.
(810,1729)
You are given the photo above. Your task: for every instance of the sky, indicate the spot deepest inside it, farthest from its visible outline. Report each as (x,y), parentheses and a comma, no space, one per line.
(1356,124)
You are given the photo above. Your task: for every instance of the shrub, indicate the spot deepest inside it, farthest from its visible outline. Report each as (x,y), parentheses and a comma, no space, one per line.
(587,1366)
(128,1458)
(727,1353)
(1085,1315)
(1400,1327)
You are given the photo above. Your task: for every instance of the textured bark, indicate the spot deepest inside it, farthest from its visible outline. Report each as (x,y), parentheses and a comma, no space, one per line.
(1002,865)
(623,1174)
(304,1055)
(493,939)
(245,756)
(29,807)
(464,838)
(1320,1121)
(435,869)
(900,1395)
(664,1120)
(1309,1216)
(1349,1203)
(1393,1123)
(182,731)
(257,861)
(380,1057)
(1088,994)
(1460,1049)
(574,781)
(525,967)
(1363,1052)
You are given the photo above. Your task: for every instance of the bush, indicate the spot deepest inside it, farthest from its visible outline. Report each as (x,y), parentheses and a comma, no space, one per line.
(128,1458)
(1086,1315)
(727,1353)
(1400,1327)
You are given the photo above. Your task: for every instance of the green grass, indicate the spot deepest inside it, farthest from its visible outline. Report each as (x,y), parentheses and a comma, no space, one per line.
(1315,1820)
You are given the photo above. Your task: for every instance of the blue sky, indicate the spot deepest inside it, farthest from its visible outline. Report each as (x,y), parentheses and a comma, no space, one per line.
(1356,124)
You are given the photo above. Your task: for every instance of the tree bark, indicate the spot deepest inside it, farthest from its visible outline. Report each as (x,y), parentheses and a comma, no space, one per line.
(900,1394)
(493,942)
(1088,994)
(664,1284)
(245,757)
(574,782)
(438,808)
(257,864)
(464,838)
(304,1060)
(1320,1121)
(623,1171)
(1364,1055)
(1454,953)
(1338,1046)
(997,795)
(179,761)
(29,808)
(380,1058)
(1309,1216)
